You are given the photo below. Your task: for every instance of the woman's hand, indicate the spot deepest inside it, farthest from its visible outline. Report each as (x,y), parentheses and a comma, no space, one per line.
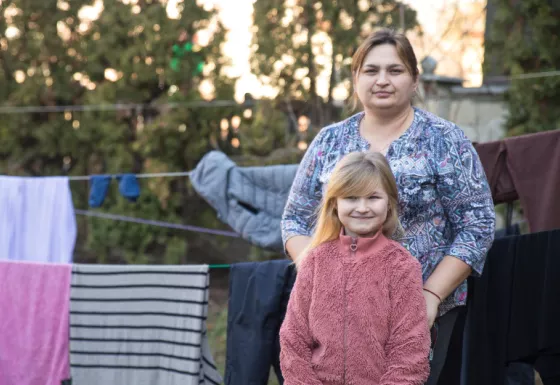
(432,307)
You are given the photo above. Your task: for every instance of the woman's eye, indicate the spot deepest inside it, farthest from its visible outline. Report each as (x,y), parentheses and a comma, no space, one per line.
(374,197)
(396,72)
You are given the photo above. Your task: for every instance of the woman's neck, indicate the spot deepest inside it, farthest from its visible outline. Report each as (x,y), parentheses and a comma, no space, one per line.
(375,124)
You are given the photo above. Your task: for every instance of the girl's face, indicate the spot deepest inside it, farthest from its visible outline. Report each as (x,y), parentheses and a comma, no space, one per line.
(363,216)
(383,81)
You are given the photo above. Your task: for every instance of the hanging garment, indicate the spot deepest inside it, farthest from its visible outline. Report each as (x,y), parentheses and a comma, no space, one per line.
(34,300)
(99,187)
(513,312)
(259,294)
(140,325)
(527,168)
(461,347)
(249,199)
(37,220)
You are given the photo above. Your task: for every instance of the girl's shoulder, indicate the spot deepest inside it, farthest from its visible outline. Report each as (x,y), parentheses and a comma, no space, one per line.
(320,255)
(324,250)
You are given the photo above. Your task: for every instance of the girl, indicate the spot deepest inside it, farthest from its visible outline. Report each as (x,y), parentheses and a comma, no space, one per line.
(356,314)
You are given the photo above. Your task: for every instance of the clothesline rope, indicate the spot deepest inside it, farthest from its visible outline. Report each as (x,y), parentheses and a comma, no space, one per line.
(152,222)
(207,104)
(147,175)
(122,106)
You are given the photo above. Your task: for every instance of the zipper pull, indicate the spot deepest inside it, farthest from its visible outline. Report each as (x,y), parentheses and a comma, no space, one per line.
(354,245)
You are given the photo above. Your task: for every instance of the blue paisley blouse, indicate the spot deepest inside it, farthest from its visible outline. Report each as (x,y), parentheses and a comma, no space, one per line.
(445,204)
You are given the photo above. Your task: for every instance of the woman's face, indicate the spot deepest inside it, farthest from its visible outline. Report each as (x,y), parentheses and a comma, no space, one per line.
(383,81)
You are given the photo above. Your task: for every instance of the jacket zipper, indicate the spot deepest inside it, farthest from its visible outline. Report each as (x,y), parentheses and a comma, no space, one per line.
(353,248)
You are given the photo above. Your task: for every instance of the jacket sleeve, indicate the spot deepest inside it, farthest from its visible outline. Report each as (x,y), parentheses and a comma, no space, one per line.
(408,346)
(295,335)
(306,193)
(466,198)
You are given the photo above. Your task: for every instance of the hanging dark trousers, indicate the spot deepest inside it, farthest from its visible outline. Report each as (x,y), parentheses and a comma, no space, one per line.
(514,313)
(259,294)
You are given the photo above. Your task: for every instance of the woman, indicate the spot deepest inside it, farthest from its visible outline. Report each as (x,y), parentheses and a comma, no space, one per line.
(445,208)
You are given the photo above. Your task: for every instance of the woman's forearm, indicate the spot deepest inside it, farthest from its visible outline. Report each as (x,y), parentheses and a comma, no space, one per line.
(295,245)
(447,276)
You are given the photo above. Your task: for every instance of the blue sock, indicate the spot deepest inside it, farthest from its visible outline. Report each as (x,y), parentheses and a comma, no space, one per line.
(99,186)
(129,187)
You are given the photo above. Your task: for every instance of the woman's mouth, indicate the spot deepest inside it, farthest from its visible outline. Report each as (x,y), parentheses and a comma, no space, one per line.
(382,94)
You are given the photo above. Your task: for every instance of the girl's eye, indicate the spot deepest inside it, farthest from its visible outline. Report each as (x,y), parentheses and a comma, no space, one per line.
(396,72)
(374,197)
(351,198)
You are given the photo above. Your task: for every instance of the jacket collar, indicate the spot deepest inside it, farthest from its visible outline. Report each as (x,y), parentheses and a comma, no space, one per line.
(362,246)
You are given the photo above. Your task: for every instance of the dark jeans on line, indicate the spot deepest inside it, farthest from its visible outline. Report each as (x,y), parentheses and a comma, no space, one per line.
(259,294)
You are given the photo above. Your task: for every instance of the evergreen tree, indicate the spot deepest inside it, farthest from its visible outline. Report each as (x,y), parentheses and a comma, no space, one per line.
(301,45)
(131,52)
(525,35)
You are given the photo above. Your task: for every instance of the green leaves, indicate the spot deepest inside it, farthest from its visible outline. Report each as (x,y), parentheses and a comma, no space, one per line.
(300,46)
(526,38)
(122,56)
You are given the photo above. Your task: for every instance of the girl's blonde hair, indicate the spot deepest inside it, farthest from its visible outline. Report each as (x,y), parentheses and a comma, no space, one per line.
(357,174)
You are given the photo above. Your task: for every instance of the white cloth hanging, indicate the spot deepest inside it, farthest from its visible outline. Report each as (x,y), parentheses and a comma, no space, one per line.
(37,221)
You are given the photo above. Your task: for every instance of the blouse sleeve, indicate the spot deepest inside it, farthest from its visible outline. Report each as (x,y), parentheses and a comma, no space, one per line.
(466,198)
(306,193)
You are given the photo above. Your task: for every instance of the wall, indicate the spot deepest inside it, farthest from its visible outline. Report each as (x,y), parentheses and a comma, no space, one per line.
(481,112)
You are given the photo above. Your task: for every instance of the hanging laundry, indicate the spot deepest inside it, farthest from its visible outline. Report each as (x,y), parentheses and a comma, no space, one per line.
(140,325)
(249,199)
(34,301)
(513,309)
(527,168)
(259,294)
(99,187)
(37,220)
(461,349)
(129,187)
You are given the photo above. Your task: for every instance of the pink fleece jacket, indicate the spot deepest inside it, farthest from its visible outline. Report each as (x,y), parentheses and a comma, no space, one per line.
(356,316)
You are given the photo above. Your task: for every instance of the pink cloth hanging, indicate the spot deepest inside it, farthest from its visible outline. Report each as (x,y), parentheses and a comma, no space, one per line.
(34,326)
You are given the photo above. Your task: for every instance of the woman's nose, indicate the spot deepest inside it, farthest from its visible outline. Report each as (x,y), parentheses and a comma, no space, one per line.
(382,78)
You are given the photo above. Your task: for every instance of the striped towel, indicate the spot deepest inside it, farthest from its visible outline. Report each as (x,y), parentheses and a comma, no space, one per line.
(140,325)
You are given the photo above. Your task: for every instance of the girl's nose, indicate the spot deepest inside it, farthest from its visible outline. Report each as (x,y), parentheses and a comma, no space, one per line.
(362,205)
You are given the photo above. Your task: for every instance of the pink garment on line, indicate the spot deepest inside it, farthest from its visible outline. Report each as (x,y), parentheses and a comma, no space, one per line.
(34,326)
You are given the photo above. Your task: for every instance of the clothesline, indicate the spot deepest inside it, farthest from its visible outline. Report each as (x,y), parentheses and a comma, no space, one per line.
(214,103)
(152,222)
(147,175)
(163,224)
(122,106)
